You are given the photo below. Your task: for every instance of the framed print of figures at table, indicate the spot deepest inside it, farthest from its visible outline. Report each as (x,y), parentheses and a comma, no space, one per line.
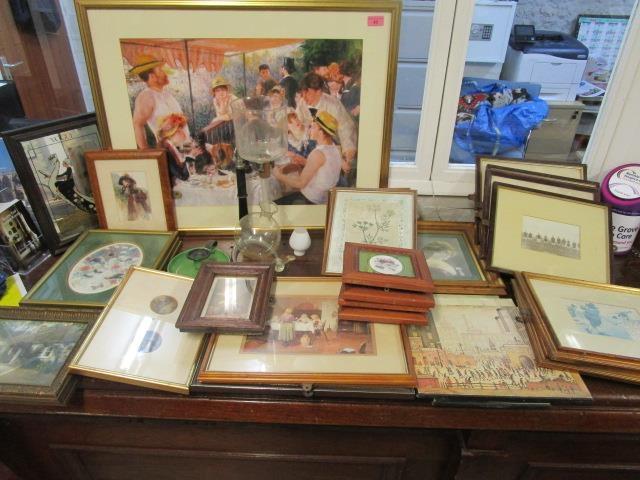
(306,343)
(131,189)
(49,159)
(161,76)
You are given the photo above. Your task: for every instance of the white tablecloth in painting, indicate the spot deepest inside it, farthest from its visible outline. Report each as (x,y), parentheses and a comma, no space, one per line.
(217,189)
(297,326)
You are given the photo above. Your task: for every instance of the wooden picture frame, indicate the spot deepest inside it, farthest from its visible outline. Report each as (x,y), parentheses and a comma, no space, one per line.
(586,326)
(112,39)
(48,158)
(225,282)
(462,271)
(352,213)
(368,354)
(89,271)
(386,267)
(542,182)
(37,366)
(131,189)
(134,340)
(525,225)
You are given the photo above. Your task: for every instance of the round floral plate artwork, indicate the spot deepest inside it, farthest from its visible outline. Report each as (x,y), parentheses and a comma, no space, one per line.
(104,268)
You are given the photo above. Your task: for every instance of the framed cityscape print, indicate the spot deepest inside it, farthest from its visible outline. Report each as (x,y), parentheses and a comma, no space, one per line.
(229,298)
(199,72)
(135,341)
(49,159)
(551,234)
(90,270)
(306,343)
(36,347)
(131,189)
(385,217)
(453,262)
(589,326)
(455,353)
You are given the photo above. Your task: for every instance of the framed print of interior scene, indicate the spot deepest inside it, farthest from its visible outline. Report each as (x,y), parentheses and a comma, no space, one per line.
(49,159)
(36,347)
(131,189)
(89,271)
(135,341)
(305,342)
(323,68)
(384,217)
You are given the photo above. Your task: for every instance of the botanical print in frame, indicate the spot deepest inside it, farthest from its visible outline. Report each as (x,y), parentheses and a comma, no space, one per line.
(483,351)
(132,343)
(36,347)
(132,189)
(376,217)
(307,343)
(263,35)
(449,256)
(87,274)
(49,159)
(590,317)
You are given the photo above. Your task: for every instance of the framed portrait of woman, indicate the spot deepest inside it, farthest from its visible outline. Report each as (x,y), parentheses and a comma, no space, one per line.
(131,189)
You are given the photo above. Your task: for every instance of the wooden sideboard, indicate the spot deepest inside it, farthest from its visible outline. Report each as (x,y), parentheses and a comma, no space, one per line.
(114,431)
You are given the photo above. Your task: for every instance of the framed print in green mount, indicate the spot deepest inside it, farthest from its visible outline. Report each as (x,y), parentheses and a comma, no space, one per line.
(90,270)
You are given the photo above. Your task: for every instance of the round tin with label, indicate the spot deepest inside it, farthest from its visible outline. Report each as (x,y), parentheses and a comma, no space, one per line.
(621,189)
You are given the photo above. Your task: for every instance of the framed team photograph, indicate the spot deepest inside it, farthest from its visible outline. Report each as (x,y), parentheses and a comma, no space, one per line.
(551,234)
(131,189)
(49,160)
(135,341)
(162,77)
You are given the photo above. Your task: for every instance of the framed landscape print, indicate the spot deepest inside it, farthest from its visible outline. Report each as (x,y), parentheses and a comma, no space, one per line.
(138,45)
(385,217)
(589,326)
(49,159)
(131,189)
(452,259)
(457,354)
(550,234)
(135,341)
(36,347)
(305,343)
(231,298)
(90,270)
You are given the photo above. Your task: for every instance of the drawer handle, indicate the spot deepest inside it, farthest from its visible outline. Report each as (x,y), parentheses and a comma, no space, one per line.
(550,120)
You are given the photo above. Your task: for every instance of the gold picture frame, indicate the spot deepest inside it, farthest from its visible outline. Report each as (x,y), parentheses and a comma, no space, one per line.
(103,24)
(135,341)
(330,352)
(550,234)
(462,272)
(585,326)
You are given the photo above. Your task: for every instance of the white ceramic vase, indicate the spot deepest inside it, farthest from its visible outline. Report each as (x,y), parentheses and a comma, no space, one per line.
(300,241)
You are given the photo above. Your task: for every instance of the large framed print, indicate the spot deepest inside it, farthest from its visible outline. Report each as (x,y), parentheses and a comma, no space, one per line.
(458,352)
(36,347)
(49,159)
(453,261)
(305,343)
(90,270)
(135,341)
(551,234)
(385,217)
(137,45)
(589,326)
(131,189)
